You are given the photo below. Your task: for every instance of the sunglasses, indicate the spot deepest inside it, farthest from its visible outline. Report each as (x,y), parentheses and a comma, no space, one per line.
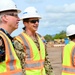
(33,21)
(13,14)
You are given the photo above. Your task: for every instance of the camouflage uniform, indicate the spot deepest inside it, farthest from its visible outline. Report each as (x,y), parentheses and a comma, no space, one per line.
(19,49)
(48,67)
(21,54)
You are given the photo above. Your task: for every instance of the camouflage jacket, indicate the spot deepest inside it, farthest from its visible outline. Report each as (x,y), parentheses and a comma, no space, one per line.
(21,55)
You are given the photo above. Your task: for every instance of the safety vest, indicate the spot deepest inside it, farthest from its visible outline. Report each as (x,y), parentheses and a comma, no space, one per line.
(34,63)
(11,65)
(68,67)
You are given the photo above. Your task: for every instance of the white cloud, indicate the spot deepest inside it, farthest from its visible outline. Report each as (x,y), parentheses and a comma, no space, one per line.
(67,8)
(33,1)
(58,18)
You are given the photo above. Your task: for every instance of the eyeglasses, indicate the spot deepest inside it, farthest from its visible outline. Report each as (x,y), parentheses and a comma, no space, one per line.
(13,14)
(33,21)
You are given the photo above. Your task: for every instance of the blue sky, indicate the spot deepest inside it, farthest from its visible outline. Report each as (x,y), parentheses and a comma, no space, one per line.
(56,14)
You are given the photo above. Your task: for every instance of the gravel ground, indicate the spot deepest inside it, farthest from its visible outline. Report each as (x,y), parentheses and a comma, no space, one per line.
(55,54)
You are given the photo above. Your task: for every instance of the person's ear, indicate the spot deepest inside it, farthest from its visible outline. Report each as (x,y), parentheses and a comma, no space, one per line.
(4,18)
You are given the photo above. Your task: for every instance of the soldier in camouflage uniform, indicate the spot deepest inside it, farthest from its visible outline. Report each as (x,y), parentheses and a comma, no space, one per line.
(21,54)
(20,48)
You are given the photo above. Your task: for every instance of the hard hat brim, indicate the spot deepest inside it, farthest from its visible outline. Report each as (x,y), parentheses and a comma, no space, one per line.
(30,17)
(12,9)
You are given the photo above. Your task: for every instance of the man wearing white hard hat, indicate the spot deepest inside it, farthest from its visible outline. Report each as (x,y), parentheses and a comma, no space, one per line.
(68,64)
(33,46)
(9,62)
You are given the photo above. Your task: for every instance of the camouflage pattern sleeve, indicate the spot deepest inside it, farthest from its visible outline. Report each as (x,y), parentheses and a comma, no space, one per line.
(2,50)
(19,49)
(48,67)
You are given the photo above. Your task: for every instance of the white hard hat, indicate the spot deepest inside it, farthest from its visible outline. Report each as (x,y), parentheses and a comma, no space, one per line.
(7,5)
(70,30)
(30,12)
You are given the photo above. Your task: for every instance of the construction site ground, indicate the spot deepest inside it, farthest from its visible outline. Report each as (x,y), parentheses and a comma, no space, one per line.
(55,54)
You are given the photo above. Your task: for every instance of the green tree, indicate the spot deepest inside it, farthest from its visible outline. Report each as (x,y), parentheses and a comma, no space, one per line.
(61,35)
(48,37)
